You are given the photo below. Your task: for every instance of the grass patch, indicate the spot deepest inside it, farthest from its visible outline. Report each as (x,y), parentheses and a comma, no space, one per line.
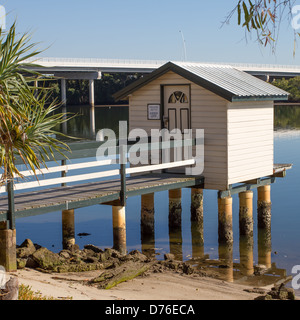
(26,293)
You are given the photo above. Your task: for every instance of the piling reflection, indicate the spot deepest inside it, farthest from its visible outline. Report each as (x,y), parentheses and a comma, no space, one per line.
(175,240)
(226,259)
(197,239)
(244,269)
(148,244)
(264,244)
(246,266)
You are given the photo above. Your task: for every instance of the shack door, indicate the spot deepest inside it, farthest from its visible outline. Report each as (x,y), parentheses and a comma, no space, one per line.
(177,107)
(177,116)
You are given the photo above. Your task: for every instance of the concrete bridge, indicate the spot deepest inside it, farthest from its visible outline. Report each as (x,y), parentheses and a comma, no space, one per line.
(91,69)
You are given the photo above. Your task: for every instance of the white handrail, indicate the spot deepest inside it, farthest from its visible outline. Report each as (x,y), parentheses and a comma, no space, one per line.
(161,166)
(67,167)
(103,174)
(81,177)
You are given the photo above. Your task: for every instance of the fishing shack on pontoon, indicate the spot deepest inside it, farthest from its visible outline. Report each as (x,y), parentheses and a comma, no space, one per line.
(235,110)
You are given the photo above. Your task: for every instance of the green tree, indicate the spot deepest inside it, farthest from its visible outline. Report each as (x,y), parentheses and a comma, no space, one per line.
(27,117)
(264,17)
(292,86)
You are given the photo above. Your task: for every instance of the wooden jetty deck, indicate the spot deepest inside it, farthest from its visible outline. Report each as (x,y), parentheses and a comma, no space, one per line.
(87,194)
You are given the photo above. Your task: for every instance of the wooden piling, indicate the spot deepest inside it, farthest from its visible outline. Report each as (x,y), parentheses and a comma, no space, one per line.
(225,220)
(264,207)
(119,229)
(175,208)
(68,229)
(8,256)
(197,204)
(246,213)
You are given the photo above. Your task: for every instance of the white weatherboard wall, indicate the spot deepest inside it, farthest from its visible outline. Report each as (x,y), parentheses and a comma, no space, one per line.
(250,140)
(209,112)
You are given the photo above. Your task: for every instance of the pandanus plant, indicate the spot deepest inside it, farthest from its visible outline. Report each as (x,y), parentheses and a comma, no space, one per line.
(28,118)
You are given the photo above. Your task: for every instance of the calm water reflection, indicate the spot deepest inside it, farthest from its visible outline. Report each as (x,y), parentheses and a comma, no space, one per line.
(279,251)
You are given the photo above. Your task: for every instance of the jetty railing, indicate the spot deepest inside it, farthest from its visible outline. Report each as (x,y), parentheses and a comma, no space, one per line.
(87,150)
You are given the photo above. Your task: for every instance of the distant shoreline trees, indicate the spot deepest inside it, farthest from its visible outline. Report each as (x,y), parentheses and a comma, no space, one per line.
(78,90)
(292,86)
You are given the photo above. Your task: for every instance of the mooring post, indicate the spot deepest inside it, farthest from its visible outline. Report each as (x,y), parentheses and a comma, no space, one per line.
(264,207)
(119,229)
(246,213)
(175,208)
(8,242)
(225,220)
(197,204)
(68,228)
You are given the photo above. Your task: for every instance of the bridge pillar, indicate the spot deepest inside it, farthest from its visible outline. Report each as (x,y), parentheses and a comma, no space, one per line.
(92,107)
(8,256)
(68,228)
(92,92)
(119,229)
(63,89)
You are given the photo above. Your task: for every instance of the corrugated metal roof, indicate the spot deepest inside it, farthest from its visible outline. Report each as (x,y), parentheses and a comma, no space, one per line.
(224,80)
(240,83)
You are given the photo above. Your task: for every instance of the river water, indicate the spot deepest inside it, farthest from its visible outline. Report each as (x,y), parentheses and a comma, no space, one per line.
(97,220)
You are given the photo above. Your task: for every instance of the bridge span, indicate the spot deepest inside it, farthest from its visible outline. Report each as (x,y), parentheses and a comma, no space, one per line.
(91,69)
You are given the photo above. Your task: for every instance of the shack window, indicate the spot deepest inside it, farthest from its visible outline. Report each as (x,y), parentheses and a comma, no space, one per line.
(178,96)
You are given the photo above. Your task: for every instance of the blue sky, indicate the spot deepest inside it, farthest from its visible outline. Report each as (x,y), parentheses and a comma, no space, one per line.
(132,29)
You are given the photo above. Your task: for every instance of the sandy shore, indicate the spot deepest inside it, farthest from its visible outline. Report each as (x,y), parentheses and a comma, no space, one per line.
(155,286)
